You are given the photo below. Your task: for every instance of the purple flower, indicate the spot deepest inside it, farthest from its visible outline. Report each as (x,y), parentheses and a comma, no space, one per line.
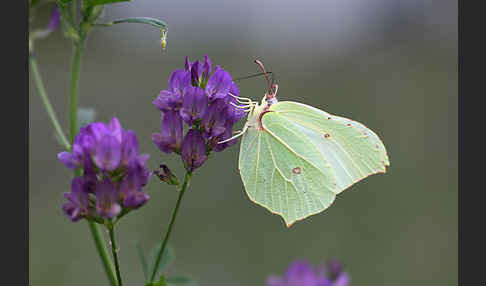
(70,160)
(218,147)
(112,170)
(193,149)
(202,100)
(342,280)
(171,99)
(302,273)
(206,67)
(54,20)
(131,190)
(199,71)
(219,84)
(129,147)
(234,114)
(215,118)
(334,270)
(107,199)
(78,203)
(194,105)
(139,166)
(108,153)
(170,137)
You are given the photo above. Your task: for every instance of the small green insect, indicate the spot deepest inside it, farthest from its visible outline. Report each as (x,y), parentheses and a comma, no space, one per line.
(294,158)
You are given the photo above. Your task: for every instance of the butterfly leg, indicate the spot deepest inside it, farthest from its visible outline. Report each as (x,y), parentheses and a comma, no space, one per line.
(238,134)
(246,108)
(241,100)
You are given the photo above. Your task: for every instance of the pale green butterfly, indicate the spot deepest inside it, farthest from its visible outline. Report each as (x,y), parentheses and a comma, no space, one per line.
(294,158)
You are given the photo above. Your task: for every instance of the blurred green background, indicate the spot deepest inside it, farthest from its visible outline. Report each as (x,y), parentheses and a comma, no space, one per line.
(391,65)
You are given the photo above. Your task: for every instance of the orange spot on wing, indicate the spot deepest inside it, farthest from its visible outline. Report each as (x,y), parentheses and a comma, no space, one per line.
(297,170)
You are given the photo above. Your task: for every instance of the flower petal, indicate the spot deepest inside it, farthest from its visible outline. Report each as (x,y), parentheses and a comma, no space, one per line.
(193,149)
(108,153)
(219,84)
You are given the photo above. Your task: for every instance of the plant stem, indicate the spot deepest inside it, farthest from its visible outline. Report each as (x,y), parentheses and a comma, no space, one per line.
(114,251)
(100,247)
(74,10)
(171,224)
(47,104)
(73,128)
(74,89)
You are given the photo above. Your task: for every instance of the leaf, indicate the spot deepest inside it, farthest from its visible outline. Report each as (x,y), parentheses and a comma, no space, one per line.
(85,116)
(102,2)
(142,20)
(167,258)
(161,282)
(143,260)
(180,281)
(161,25)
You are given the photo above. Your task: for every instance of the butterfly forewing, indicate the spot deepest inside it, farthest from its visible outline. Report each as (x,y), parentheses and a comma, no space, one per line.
(352,150)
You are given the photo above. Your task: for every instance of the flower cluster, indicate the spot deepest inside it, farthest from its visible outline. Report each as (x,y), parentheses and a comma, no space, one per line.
(113,172)
(302,273)
(206,103)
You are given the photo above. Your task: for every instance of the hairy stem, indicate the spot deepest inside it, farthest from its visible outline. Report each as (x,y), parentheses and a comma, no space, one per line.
(171,224)
(114,251)
(47,104)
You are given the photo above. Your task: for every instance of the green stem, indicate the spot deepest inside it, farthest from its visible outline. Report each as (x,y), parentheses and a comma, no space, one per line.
(171,224)
(74,10)
(73,128)
(100,247)
(47,104)
(114,251)
(74,88)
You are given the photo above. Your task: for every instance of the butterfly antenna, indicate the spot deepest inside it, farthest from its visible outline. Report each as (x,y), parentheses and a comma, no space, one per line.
(274,79)
(260,64)
(252,76)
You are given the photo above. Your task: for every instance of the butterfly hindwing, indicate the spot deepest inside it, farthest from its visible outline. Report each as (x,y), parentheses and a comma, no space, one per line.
(279,179)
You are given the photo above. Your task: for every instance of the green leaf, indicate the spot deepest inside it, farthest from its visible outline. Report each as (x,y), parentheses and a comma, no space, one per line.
(161,282)
(102,2)
(85,116)
(161,25)
(141,20)
(167,258)
(180,281)
(143,260)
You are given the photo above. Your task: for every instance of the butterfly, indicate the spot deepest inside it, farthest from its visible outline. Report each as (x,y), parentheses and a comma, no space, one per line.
(294,158)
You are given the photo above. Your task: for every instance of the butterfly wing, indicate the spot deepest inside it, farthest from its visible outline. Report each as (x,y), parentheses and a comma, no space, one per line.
(304,157)
(281,180)
(351,149)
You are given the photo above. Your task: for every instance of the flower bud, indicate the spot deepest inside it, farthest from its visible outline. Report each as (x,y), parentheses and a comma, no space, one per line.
(166,175)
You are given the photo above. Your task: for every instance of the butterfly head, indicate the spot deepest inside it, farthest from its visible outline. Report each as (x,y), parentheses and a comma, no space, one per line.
(270,97)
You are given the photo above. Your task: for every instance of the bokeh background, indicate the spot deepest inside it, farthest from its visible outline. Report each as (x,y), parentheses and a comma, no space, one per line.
(390,64)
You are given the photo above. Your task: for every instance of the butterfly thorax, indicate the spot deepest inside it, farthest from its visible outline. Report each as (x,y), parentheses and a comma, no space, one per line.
(256,114)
